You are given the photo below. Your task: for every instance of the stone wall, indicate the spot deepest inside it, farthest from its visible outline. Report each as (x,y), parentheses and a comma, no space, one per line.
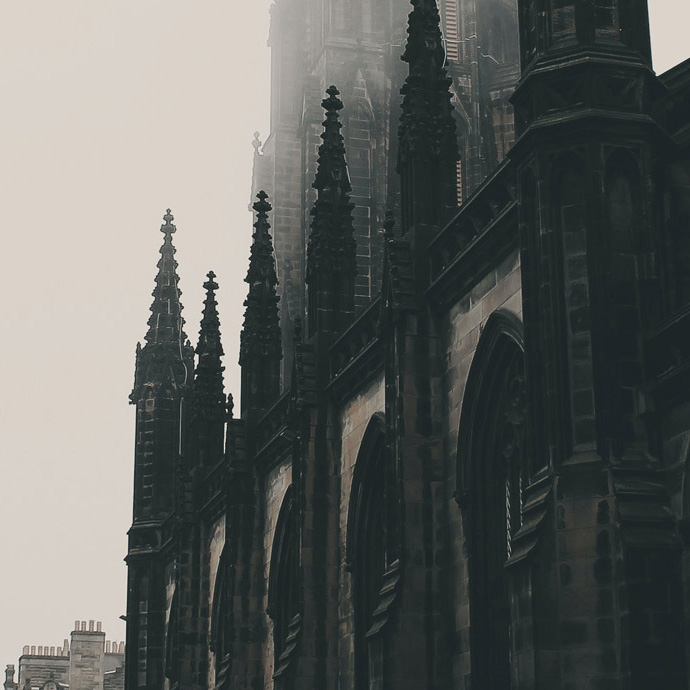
(36,668)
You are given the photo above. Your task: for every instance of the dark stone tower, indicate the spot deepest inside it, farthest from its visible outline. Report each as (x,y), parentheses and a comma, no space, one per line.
(588,140)
(164,367)
(331,251)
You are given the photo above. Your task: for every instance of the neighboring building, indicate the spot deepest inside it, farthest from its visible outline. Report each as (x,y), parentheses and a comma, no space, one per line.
(87,661)
(462,456)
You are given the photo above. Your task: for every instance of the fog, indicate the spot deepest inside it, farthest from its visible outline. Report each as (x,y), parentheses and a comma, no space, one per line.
(113,112)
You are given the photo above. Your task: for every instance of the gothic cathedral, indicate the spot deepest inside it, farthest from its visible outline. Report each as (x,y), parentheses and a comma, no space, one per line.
(461,459)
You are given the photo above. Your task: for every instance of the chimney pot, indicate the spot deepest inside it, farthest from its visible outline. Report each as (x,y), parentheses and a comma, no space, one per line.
(98,626)
(76,625)
(33,650)
(91,626)
(25,651)
(40,650)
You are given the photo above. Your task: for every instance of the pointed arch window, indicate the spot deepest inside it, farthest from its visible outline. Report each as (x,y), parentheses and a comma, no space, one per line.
(220,617)
(369,556)
(492,471)
(283,589)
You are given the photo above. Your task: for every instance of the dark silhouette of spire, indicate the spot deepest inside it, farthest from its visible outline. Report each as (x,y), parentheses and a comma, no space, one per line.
(428,149)
(166,324)
(331,242)
(167,356)
(209,396)
(331,251)
(260,339)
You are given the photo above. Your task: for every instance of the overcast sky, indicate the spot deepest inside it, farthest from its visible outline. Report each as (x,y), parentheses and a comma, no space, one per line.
(111,112)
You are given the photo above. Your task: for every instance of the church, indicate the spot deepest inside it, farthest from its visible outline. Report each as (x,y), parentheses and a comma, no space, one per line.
(461,458)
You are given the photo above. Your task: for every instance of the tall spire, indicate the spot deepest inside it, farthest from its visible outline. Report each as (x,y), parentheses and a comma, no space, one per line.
(427,130)
(167,356)
(331,252)
(260,339)
(209,396)
(166,324)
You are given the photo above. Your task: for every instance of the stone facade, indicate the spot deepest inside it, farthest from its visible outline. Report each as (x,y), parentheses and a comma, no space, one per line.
(87,661)
(462,450)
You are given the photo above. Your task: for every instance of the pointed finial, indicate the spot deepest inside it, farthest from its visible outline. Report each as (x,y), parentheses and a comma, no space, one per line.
(168,228)
(262,207)
(210,285)
(256,143)
(230,406)
(332,103)
(208,378)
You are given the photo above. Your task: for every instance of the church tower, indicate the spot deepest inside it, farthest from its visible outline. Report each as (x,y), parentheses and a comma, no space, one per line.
(164,367)
(588,139)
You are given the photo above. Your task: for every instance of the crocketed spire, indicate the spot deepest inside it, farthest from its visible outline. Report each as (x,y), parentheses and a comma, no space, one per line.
(331,242)
(166,324)
(428,150)
(426,126)
(167,356)
(260,335)
(209,396)
(260,339)
(331,252)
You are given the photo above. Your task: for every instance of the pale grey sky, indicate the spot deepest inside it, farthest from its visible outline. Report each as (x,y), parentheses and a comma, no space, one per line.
(111,112)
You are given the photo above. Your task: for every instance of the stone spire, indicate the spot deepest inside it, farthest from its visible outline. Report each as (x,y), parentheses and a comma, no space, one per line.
(331,251)
(209,396)
(167,355)
(428,148)
(166,323)
(260,339)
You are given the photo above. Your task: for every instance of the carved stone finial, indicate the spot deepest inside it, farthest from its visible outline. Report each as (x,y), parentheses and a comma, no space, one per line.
(209,396)
(168,228)
(256,143)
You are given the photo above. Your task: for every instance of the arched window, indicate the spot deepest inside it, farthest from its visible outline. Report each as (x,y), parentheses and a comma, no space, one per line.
(283,589)
(492,471)
(366,551)
(220,616)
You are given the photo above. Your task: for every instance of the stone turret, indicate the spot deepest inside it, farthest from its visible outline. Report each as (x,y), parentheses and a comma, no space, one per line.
(163,368)
(331,252)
